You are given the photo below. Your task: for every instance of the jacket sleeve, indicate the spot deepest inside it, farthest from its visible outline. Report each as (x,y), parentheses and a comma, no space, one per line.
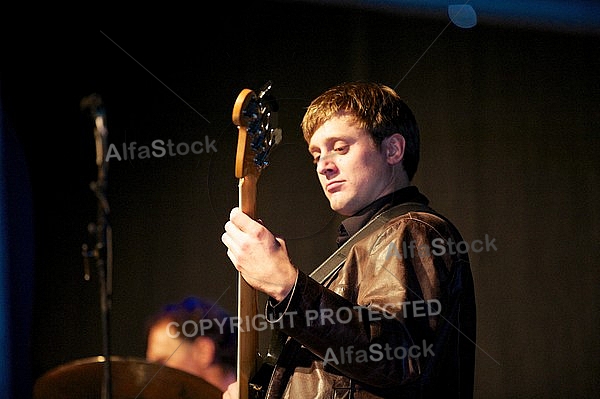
(376,322)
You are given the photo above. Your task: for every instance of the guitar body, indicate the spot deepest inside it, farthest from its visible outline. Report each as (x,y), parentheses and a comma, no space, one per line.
(253,114)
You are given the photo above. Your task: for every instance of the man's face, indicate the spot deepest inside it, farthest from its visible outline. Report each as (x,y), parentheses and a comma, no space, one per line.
(352,171)
(165,348)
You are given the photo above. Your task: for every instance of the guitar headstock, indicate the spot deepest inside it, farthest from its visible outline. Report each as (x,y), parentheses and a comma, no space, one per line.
(255,115)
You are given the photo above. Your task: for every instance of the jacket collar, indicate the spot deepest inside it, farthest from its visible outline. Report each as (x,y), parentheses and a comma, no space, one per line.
(355,222)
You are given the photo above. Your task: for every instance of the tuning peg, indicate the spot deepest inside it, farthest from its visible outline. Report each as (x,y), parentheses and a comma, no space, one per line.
(277,136)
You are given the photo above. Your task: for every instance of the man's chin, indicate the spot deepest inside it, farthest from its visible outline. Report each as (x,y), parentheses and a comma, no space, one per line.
(342,209)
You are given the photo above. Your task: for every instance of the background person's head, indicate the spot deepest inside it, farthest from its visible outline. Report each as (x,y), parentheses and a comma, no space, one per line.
(194,336)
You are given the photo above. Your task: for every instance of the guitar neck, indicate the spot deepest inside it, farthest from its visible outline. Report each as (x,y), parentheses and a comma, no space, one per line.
(247,301)
(247,194)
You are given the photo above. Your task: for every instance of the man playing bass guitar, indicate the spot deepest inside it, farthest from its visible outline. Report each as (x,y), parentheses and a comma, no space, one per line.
(397,317)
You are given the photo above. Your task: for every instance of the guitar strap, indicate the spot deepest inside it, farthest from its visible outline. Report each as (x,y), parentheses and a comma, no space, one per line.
(328,269)
(323,274)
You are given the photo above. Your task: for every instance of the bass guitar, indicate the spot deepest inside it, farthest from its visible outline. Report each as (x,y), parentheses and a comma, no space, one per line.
(255,115)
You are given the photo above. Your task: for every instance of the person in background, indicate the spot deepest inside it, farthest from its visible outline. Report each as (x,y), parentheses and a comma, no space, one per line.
(195,336)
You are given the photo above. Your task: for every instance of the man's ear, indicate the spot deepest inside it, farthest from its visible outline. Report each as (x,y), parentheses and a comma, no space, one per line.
(204,351)
(393,148)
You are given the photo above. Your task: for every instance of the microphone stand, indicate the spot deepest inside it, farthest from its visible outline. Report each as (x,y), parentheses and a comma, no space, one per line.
(101,253)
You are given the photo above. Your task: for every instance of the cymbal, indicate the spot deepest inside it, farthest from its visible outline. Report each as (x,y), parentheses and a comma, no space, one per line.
(131,378)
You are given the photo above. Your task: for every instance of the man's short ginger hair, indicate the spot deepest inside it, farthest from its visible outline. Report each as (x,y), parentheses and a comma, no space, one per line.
(376,108)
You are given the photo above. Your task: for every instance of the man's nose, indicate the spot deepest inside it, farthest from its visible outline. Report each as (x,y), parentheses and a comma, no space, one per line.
(326,164)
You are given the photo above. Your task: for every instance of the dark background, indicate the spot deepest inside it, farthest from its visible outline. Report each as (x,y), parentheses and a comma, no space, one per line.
(510,140)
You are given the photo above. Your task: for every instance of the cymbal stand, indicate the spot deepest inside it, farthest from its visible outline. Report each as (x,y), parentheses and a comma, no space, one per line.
(101,252)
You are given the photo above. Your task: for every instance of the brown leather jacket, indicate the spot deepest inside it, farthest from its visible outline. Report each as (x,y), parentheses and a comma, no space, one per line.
(398,320)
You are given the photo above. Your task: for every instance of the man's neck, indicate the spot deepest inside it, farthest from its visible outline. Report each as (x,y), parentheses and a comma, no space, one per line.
(352,224)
